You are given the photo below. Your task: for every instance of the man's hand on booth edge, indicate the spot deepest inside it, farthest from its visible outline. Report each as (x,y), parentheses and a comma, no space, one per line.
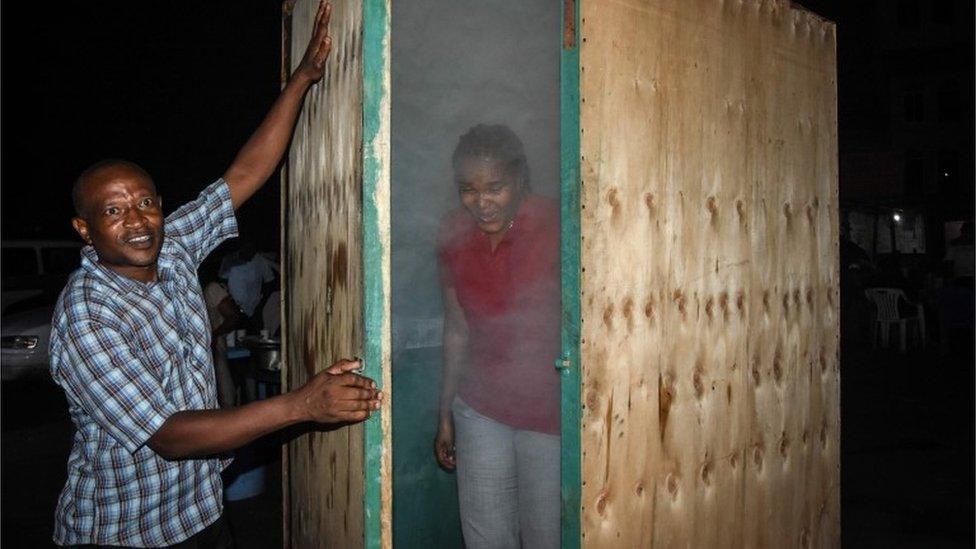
(312,65)
(336,395)
(259,156)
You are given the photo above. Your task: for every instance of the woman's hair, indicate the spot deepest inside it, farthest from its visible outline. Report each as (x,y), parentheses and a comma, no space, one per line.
(496,141)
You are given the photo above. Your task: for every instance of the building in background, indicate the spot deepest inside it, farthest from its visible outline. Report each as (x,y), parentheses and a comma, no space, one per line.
(906,123)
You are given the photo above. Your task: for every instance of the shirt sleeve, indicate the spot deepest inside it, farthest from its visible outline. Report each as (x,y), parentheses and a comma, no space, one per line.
(201,225)
(110,383)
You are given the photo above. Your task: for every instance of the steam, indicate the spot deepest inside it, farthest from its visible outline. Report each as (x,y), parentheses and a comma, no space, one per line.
(456,64)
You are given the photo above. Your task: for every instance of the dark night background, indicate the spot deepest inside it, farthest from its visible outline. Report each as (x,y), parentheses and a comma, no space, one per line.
(178,87)
(175,87)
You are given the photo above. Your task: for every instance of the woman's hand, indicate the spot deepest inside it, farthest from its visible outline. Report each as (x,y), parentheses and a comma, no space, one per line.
(444,444)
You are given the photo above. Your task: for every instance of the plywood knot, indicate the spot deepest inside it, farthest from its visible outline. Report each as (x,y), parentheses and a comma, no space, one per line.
(823,359)
(723,303)
(787,211)
(629,312)
(823,434)
(614,202)
(758,452)
(796,298)
(809,296)
(696,379)
(778,365)
(608,315)
(709,307)
(740,303)
(666,394)
(765,300)
(651,203)
(593,400)
(639,488)
(672,485)
(681,301)
(601,502)
(756,371)
(712,207)
(786,302)
(706,471)
(784,444)
(740,209)
(734,460)
(804,538)
(649,308)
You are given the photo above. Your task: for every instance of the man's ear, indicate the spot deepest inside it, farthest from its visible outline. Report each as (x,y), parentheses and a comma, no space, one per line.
(81,227)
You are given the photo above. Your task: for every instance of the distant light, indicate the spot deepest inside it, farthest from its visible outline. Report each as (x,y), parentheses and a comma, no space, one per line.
(945,174)
(897,218)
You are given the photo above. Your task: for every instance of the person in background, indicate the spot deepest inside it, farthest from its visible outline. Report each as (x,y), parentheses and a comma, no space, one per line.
(130,347)
(499,407)
(961,256)
(957,314)
(249,276)
(225,317)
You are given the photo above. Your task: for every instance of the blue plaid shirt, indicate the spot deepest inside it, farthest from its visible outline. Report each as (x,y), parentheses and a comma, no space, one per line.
(128,355)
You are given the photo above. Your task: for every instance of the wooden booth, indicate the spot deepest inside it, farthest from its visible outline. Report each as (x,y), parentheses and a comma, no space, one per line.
(692,145)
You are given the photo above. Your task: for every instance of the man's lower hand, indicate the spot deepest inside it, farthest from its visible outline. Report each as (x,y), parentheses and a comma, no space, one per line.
(339,397)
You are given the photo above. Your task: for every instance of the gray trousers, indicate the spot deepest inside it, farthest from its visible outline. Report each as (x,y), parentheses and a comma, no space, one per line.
(508,483)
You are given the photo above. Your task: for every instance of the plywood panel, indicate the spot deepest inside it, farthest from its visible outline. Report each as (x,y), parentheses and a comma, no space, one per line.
(710,276)
(324,278)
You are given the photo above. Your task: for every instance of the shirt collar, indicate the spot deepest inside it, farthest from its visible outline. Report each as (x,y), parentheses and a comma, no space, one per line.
(89,262)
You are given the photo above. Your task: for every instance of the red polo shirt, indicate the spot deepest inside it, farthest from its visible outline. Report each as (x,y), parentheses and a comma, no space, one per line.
(511,302)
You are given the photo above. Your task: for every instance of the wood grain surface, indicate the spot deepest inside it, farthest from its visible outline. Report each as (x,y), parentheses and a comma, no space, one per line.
(710,340)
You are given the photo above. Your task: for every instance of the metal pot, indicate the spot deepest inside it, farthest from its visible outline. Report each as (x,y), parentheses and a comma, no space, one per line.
(265,353)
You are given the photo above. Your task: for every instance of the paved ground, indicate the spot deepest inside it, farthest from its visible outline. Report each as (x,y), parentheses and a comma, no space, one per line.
(907,469)
(36,438)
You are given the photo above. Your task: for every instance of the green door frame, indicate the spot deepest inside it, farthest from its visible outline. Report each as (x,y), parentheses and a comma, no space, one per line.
(376,96)
(376,253)
(569,197)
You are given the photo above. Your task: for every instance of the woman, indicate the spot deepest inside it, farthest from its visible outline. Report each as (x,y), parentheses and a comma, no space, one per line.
(499,407)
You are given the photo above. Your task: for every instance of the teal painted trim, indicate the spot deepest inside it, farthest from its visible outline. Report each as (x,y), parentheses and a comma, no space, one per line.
(376,34)
(570,379)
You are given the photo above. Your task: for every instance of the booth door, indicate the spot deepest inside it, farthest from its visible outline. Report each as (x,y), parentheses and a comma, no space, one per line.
(322,209)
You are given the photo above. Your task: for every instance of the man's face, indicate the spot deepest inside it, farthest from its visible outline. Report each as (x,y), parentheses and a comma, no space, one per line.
(489,192)
(122,219)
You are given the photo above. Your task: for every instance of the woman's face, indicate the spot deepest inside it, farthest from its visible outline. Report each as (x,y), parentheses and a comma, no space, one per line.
(489,192)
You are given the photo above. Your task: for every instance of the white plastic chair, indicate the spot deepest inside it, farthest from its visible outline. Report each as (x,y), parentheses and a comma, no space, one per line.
(886,302)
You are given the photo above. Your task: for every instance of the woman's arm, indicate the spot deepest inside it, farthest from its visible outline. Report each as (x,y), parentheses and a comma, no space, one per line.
(455,362)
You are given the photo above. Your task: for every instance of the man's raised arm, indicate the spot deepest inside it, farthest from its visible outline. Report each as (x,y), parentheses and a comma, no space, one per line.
(259,157)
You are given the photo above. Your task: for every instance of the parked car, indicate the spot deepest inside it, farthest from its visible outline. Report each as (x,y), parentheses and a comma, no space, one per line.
(34,273)
(33,268)
(24,338)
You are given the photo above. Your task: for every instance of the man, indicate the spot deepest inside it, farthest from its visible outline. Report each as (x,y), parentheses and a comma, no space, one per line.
(130,348)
